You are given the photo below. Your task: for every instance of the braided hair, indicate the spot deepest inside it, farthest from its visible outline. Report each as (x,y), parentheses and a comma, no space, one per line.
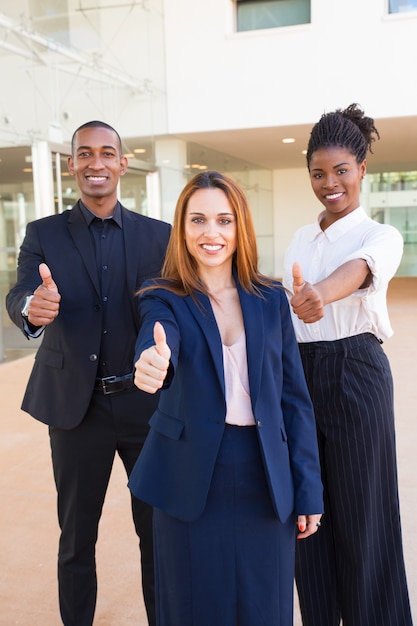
(348,128)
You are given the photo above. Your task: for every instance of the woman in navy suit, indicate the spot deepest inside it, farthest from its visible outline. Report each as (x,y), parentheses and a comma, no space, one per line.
(231,461)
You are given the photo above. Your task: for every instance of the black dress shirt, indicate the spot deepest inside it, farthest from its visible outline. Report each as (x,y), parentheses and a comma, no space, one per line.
(119,329)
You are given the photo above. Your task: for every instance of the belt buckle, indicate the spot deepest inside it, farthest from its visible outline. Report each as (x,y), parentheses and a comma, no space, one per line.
(105,381)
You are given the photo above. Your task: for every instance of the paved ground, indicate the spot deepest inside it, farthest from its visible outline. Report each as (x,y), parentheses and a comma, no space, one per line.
(28,526)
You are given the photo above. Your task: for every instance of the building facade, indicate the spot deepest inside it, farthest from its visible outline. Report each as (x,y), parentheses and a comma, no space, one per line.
(233,85)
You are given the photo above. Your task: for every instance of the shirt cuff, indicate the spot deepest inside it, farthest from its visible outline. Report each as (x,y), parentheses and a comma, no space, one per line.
(32,333)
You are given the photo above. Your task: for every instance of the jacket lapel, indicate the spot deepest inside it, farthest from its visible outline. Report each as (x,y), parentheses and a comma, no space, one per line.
(133,251)
(81,237)
(204,316)
(132,248)
(255,339)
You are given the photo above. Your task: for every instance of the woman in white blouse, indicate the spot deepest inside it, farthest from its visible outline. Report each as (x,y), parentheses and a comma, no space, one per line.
(231,461)
(337,271)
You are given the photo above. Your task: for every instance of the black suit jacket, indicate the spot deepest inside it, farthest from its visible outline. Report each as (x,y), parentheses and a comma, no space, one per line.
(61,382)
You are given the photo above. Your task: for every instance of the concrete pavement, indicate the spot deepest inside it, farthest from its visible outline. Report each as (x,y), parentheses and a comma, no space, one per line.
(28,525)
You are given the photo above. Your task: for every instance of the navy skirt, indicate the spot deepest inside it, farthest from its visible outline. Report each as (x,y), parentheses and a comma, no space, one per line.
(235,564)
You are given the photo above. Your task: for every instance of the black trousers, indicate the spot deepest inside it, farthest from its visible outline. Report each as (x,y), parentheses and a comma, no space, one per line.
(82,462)
(353,568)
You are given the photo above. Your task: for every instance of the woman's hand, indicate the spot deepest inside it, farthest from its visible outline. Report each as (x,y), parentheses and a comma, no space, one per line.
(308,525)
(307,302)
(152,366)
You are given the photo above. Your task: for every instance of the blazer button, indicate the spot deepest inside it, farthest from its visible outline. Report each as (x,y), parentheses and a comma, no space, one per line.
(93,357)
(259,423)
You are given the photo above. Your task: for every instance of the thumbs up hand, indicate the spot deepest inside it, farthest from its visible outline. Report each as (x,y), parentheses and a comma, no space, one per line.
(297,277)
(44,306)
(47,281)
(152,366)
(307,302)
(161,341)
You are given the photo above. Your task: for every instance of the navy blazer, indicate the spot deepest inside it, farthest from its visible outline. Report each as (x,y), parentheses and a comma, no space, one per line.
(62,380)
(175,467)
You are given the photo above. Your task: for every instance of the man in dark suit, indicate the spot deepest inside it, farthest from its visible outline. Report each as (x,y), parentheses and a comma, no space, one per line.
(77,277)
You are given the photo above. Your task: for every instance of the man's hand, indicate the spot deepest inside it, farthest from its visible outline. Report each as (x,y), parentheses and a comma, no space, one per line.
(306,302)
(153,363)
(44,306)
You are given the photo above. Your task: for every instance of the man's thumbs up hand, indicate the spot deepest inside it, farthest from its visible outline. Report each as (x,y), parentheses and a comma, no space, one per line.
(47,281)
(44,306)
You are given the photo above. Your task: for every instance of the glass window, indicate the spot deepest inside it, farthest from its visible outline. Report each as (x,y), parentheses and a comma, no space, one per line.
(65,191)
(133,190)
(259,14)
(402,6)
(392,200)
(394,181)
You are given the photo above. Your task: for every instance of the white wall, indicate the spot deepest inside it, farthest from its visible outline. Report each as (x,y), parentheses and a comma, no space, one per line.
(294,205)
(351,52)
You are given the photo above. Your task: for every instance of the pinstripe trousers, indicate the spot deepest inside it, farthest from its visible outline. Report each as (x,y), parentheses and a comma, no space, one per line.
(353,568)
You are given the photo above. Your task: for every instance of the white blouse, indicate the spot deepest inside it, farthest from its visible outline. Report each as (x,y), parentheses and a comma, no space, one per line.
(355,236)
(238,401)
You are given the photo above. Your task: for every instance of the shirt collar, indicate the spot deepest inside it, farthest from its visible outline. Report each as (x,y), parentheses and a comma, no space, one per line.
(342,226)
(90,216)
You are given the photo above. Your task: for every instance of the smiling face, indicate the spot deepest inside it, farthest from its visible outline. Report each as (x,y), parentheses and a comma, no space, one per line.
(210,230)
(336,178)
(97,165)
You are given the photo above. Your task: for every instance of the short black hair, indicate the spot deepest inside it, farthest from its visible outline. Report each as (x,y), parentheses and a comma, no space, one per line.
(95,124)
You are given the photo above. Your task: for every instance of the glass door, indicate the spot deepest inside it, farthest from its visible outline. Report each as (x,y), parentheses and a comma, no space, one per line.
(17,207)
(139,189)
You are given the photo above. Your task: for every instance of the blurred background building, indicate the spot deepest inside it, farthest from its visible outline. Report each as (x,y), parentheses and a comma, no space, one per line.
(233,85)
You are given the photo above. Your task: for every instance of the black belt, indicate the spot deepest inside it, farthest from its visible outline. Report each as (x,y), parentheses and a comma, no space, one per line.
(112,384)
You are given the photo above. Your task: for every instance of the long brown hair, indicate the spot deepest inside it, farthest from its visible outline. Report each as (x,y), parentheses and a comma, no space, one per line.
(179,273)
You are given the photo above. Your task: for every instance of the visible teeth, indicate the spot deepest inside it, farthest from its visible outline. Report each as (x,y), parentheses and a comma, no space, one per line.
(96,177)
(213,247)
(333,196)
